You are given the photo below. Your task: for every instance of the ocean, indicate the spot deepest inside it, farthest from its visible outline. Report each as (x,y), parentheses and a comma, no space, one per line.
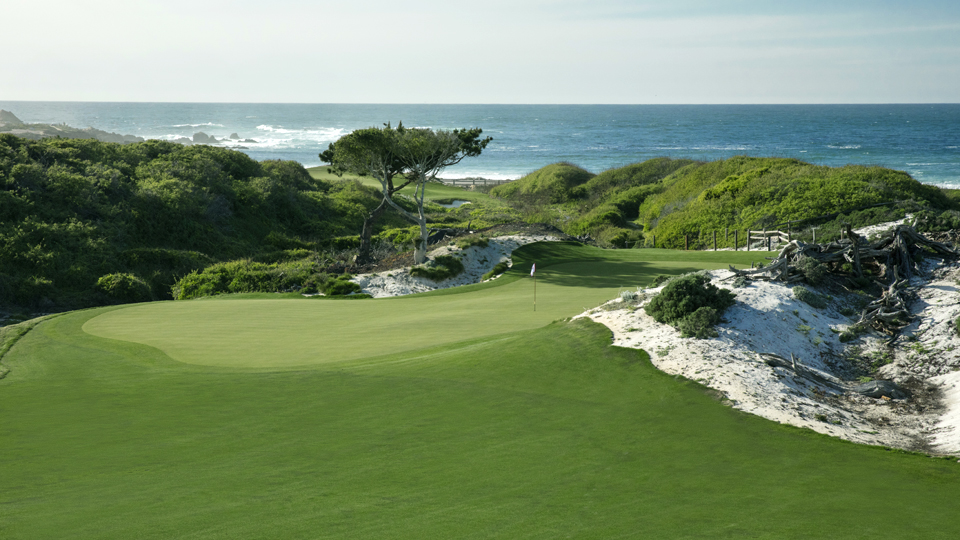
(923,140)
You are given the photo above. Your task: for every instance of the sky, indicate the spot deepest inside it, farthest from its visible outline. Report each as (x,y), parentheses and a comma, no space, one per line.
(448,51)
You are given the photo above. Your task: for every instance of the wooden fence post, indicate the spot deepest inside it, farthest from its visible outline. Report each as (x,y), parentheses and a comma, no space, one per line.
(736,240)
(814,236)
(748,239)
(686,242)
(654,241)
(714,240)
(726,235)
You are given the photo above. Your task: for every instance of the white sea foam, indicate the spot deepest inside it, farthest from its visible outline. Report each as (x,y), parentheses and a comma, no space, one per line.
(707,148)
(844,146)
(306,134)
(205,124)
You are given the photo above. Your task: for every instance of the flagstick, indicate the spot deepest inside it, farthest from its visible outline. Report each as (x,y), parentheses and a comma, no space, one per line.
(534,291)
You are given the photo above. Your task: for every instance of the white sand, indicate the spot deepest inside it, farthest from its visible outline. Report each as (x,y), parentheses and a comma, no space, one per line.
(767,318)
(876,230)
(476,261)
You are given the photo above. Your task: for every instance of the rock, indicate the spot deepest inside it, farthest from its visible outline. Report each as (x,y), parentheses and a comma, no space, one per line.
(8,119)
(249,141)
(234,136)
(881,389)
(203,138)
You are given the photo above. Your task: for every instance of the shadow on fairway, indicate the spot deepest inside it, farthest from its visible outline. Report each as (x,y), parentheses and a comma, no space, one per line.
(604,275)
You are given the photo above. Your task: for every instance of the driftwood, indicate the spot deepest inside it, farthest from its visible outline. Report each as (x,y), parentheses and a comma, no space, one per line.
(893,258)
(801,370)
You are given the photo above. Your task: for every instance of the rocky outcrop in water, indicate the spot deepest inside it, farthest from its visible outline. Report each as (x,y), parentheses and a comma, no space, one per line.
(9,123)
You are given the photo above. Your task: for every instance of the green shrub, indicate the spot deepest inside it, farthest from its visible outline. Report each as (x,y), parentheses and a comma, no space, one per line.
(809,297)
(686,294)
(124,288)
(472,241)
(660,280)
(683,298)
(500,268)
(740,282)
(550,184)
(700,323)
(32,290)
(812,270)
(441,268)
(246,276)
(341,286)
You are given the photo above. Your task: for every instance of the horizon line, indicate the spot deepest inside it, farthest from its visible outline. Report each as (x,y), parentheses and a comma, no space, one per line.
(480,104)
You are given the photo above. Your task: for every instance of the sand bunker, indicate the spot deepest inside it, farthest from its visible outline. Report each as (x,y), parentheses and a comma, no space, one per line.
(476,261)
(767,318)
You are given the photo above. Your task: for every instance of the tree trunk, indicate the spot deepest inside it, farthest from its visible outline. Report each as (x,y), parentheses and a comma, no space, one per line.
(363,257)
(420,253)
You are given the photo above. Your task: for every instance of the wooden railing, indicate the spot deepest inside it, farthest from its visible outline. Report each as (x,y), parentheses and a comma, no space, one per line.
(472,181)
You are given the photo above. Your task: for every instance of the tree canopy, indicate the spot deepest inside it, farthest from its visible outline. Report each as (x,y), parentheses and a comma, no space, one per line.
(417,154)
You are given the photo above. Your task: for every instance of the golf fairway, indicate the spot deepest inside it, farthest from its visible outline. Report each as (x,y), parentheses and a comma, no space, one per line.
(515,428)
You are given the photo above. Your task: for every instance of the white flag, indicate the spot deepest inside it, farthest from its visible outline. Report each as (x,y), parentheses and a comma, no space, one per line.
(533,269)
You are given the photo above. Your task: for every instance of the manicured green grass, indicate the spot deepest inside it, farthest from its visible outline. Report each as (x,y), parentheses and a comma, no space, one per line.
(259,332)
(544,432)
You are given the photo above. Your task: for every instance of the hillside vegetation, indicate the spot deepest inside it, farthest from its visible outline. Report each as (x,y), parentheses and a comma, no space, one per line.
(84,222)
(671,198)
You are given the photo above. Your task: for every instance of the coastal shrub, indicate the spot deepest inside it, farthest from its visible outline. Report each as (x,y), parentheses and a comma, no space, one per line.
(244,276)
(75,210)
(931,221)
(740,282)
(33,290)
(550,184)
(684,297)
(812,270)
(700,324)
(628,295)
(751,193)
(660,279)
(340,286)
(809,297)
(441,268)
(956,326)
(498,269)
(472,241)
(124,288)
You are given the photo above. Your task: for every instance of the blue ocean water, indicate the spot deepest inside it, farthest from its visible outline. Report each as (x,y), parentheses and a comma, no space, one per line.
(923,140)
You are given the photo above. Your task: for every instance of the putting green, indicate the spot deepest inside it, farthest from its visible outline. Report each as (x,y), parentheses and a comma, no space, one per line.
(286,333)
